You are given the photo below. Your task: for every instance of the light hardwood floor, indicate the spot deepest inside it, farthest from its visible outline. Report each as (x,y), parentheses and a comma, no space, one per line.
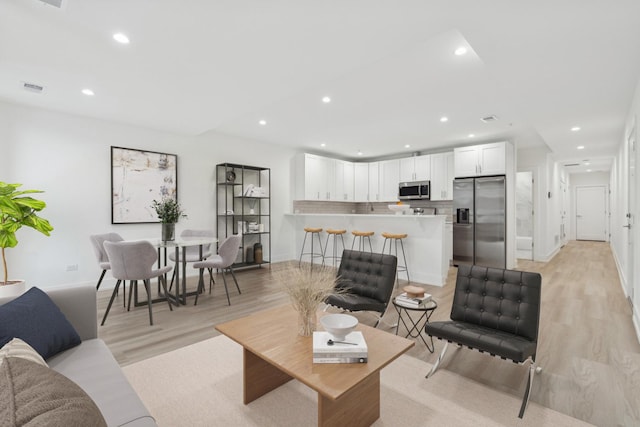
(588,347)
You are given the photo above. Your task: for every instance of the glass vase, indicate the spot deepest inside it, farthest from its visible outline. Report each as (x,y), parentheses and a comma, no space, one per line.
(168,231)
(306,323)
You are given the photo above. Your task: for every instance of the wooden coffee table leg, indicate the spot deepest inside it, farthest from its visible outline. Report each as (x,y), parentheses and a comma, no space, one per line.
(357,407)
(260,377)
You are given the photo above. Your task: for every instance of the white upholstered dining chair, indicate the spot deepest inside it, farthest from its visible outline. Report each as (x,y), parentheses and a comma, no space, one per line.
(134,261)
(227,254)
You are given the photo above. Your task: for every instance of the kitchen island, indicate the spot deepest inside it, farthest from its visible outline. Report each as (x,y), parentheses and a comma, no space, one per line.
(424,247)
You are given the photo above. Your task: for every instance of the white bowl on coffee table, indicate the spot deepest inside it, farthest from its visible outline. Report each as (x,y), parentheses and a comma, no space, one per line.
(339,325)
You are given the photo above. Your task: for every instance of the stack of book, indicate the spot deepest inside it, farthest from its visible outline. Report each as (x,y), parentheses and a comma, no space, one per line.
(353,349)
(412,301)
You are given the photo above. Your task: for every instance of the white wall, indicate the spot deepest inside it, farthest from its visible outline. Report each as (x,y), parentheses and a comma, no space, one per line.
(628,264)
(69,158)
(546,174)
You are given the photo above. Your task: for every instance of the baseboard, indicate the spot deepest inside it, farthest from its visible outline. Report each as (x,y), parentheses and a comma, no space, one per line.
(635,315)
(636,322)
(621,275)
(550,255)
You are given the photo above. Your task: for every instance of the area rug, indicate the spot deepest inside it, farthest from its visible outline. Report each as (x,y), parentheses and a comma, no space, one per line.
(201,385)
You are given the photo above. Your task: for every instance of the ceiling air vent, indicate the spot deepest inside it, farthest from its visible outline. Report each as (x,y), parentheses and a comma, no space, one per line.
(572,164)
(54,3)
(32,87)
(489,119)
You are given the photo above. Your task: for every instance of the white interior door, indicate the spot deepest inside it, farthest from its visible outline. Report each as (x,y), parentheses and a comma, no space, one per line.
(591,213)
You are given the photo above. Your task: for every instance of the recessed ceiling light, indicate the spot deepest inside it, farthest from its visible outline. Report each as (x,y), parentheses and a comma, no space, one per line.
(580,147)
(471,135)
(587,163)
(88,92)
(262,122)
(359,153)
(444,119)
(326,99)
(323,145)
(575,129)
(460,51)
(407,146)
(588,170)
(121,38)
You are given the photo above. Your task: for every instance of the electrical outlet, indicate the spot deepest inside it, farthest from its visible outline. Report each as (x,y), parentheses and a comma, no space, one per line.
(72,267)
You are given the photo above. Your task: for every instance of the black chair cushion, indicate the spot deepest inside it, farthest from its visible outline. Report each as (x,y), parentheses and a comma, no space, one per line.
(499,299)
(367,280)
(353,302)
(490,340)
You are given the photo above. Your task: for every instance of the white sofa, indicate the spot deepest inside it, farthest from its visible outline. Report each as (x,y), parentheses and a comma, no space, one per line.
(90,364)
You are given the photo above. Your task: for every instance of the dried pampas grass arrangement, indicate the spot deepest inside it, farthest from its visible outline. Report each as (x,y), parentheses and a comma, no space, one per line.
(307,288)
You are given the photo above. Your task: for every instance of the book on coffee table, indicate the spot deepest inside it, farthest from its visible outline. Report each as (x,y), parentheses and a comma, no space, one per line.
(353,349)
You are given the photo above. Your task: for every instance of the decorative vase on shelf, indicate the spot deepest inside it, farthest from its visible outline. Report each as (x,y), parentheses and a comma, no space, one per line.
(168,231)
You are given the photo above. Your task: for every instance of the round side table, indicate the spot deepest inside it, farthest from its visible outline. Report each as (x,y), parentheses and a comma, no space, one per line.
(415,327)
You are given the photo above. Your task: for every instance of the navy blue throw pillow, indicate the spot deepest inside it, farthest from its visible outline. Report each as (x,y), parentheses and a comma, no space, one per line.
(36,319)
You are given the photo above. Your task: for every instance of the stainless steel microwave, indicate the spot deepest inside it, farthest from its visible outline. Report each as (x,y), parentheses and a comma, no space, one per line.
(414,190)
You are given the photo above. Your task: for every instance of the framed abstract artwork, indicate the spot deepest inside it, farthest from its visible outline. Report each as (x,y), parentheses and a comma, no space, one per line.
(137,178)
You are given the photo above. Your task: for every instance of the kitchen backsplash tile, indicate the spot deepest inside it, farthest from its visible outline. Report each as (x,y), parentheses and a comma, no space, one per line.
(364,208)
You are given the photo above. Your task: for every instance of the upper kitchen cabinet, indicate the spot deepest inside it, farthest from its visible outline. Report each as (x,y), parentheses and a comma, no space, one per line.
(442,176)
(373,195)
(360,182)
(388,179)
(323,178)
(416,168)
(480,160)
(315,177)
(344,181)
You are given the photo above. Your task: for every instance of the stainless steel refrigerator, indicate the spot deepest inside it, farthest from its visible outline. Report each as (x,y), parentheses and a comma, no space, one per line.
(479,221)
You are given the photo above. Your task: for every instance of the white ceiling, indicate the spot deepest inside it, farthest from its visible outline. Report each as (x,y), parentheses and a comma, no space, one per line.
(199,65)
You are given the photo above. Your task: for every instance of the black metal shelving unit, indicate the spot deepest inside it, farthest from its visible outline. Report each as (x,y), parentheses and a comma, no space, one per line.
(243,203)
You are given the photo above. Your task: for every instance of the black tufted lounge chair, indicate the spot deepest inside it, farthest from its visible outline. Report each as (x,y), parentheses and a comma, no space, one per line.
(495,311)
(367,279)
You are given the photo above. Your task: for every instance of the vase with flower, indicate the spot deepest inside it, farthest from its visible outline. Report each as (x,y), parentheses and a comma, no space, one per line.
(169,212)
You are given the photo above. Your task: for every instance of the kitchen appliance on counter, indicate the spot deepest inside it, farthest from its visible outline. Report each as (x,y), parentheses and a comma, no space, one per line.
(479,221)
(414,190)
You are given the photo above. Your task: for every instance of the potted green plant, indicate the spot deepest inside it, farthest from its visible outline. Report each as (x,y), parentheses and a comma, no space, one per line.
(169,212)
(18,210)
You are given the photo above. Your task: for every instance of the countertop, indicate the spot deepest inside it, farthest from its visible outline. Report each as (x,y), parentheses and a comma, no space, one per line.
(369,215)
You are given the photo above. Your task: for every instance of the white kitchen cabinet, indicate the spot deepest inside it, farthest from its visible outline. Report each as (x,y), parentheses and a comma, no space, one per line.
(344,181)
(442,176)
(374,185)
(416,168)
(315,177)
(360,182)
(388,179)
(318,177)
(480,160)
